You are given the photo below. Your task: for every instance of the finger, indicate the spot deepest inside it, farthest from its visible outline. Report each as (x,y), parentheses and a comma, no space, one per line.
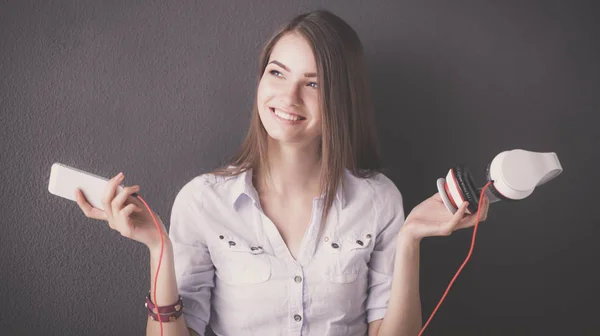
(437,197)
(109,193)
(453,223)
(129,209)
(484,210)
(119,201)
(471,220)
(126,228)
(88,210)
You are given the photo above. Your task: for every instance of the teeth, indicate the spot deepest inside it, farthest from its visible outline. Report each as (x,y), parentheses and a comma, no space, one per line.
(286,116)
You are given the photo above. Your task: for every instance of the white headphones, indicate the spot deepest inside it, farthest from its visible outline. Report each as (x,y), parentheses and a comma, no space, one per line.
(514,175)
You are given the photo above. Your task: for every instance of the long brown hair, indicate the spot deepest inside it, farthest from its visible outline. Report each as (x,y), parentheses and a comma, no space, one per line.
(348,138)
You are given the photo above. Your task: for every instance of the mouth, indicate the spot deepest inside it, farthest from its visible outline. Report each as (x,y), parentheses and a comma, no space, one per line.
(286,116)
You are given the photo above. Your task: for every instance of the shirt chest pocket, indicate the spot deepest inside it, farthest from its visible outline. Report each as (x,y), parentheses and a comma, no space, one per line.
(238,262)
(348,257)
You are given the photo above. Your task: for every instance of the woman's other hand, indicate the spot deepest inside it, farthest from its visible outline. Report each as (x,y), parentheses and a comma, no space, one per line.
(124,213)
(432,218)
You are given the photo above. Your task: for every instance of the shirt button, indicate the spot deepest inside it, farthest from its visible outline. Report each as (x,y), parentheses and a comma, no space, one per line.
(334,245)
(359,242)
(297,318)
(298,279)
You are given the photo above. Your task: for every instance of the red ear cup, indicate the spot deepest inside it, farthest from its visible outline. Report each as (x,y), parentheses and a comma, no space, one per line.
(445,195)
(451,189)
(464,188)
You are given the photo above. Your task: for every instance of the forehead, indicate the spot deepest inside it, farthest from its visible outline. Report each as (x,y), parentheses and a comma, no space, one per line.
(294,51)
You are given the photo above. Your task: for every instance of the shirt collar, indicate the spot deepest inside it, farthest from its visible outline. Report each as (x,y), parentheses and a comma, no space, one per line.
(243,186)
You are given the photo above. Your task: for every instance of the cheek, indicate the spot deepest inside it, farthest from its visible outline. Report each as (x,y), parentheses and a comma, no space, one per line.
(263,96)
(266,88)
(312,102)
(260,93)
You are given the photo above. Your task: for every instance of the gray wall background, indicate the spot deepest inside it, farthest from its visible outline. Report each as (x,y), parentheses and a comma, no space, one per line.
(162,91)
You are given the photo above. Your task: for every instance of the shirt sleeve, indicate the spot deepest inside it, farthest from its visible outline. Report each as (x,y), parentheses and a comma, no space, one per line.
(193,266)
(390,214)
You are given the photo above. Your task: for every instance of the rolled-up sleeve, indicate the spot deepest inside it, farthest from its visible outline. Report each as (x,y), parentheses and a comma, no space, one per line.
(390,215)
(193,266)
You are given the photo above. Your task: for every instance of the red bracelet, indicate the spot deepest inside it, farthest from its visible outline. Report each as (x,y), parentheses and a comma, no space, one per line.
(164,313)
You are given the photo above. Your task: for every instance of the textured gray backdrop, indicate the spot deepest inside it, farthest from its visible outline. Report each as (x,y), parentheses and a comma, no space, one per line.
(162,90)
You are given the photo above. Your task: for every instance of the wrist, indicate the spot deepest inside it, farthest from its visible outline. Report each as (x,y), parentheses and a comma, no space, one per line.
(165,313)
(155,248)
(407,237)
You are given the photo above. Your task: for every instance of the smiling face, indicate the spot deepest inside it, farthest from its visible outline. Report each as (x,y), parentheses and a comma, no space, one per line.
(288,94)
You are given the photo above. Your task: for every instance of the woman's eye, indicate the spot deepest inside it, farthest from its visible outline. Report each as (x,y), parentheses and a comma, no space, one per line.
(275,73)
(313,85)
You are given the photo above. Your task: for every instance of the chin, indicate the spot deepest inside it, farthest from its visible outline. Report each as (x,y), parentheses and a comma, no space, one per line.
(292,139)
(282,137)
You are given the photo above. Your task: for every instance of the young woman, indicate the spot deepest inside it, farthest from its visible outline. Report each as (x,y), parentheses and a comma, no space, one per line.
(301,233)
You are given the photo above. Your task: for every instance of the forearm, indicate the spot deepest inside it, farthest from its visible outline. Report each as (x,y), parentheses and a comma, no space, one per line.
(166,292)
(403,316)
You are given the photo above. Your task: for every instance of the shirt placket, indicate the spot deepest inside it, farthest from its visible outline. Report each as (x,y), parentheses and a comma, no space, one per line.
(295,268)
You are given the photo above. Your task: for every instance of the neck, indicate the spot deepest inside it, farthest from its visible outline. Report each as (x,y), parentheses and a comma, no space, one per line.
(293,170)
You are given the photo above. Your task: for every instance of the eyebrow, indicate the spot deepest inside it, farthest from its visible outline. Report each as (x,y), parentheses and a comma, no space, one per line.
(306,74)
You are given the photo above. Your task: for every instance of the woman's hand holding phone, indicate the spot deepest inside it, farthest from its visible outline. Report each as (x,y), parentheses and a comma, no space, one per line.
(124,213)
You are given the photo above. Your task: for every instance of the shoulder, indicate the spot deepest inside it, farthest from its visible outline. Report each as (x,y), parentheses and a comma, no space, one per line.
(377,195)
(205,185)
(195,203)
(378,200)
(379,186)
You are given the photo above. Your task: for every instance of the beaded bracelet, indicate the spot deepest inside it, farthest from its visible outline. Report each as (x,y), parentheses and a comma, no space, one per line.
(164,313)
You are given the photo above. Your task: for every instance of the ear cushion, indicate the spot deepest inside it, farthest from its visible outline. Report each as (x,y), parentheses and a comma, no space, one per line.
(467,187)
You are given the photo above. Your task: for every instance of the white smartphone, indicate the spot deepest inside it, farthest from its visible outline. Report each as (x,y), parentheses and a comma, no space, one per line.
(64,180)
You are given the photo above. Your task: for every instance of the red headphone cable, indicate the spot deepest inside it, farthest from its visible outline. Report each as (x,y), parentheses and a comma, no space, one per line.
(162,246)
(464,263)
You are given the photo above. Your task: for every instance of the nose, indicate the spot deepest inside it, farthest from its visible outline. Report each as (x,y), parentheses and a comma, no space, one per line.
(291,95)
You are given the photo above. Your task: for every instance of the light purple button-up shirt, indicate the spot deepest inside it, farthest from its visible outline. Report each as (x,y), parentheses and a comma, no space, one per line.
(235,272)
